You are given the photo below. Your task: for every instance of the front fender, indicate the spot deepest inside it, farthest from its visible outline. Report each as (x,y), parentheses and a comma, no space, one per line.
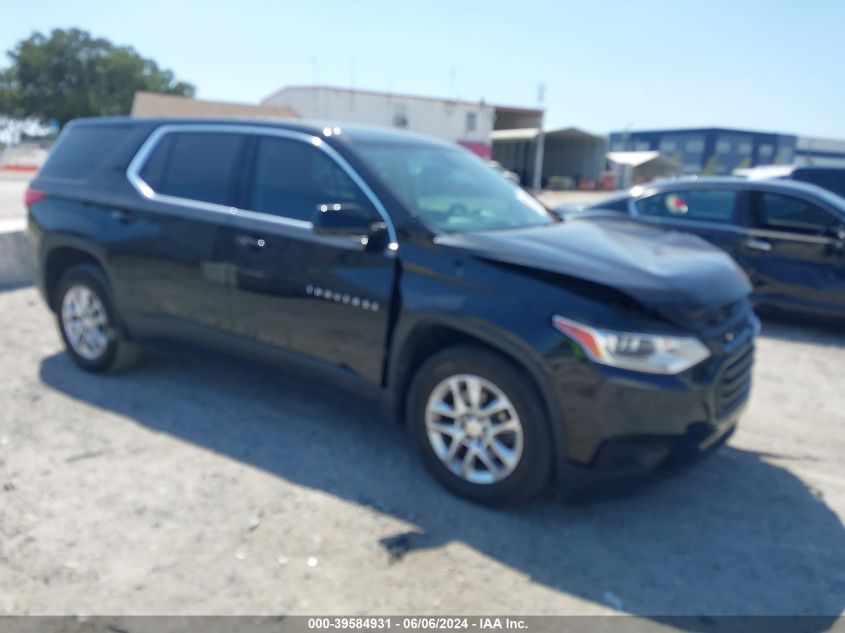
(501,339)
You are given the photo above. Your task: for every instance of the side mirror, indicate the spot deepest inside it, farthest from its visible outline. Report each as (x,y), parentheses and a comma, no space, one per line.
(344,218)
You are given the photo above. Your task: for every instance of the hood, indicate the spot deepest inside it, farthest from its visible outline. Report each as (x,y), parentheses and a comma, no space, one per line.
(657,268)
(583,211)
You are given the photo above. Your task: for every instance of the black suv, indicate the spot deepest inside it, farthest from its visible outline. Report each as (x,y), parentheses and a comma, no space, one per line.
(518,348)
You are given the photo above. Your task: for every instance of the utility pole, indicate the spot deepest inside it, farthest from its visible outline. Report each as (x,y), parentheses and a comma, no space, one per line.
(315,69)
(352,82)
(540,147)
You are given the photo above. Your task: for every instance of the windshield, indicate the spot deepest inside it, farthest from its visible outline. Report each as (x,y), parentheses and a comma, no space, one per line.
(450,189)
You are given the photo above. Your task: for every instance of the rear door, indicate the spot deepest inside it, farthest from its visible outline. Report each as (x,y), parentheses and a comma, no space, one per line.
(794,254)
(169,267)
(324,298)
(710,213)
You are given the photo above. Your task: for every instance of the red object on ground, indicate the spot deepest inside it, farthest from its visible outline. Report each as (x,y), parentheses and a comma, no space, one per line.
(608,181)
(18,167)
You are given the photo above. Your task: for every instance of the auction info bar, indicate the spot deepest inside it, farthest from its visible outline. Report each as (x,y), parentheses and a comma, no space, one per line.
(309,624)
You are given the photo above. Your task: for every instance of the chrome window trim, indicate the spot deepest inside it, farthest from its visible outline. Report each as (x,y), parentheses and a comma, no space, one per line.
(786,235)
(681,221)
(133,173)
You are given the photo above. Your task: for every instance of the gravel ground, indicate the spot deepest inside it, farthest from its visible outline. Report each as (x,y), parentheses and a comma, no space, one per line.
(198,483)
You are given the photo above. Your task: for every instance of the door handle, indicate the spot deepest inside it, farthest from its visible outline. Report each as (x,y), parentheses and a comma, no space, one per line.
(122,215)
(758,245)
(252,243)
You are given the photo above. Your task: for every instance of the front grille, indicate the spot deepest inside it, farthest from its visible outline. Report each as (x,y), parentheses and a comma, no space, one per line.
(735,382)
(721,328)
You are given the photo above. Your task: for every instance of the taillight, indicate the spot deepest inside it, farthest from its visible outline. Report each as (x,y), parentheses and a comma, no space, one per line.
(33,196)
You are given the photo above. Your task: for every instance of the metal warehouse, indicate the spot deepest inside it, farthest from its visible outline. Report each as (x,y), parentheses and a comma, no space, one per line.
(569,155)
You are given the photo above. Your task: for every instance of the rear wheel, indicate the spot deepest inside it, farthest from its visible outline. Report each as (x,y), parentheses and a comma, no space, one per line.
(480,427)
(88,322)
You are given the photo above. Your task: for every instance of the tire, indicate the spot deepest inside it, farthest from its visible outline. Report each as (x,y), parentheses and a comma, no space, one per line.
(88,322)
(522,460)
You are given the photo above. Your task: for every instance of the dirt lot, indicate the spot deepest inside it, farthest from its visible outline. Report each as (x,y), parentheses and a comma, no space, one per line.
(12,187)
(198,483)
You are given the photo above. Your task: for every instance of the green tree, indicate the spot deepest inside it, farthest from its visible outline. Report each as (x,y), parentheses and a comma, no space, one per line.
(12,119)
(10,97)
(71,74)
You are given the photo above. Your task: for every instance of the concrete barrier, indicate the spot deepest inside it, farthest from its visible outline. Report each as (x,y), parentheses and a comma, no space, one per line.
(17,260)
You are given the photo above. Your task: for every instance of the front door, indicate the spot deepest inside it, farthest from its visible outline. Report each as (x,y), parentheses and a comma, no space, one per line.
(324,298)
(794,255)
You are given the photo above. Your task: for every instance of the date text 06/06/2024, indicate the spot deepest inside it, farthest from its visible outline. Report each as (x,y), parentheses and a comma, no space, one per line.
(416,623)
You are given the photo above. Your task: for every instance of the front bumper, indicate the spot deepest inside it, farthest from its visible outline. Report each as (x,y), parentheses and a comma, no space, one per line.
(580,482)
(617,424)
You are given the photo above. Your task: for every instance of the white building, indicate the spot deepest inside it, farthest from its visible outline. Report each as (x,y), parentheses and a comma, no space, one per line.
(469,123)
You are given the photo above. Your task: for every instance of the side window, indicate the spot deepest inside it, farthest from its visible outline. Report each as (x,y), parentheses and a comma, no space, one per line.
(651,205)
(707,205)
(472,119)
(787,213)
(290,178)
(83,148)
(195,165)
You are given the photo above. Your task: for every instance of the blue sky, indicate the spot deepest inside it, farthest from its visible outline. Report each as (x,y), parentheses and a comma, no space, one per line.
(768,65)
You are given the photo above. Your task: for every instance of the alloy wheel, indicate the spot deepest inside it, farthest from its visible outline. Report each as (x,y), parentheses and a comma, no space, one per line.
(474,429)
(85,322)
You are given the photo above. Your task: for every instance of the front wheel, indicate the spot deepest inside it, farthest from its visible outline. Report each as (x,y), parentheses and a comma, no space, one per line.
(480,427)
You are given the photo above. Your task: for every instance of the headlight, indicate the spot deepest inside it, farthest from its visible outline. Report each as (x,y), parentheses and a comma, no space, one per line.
(652,353)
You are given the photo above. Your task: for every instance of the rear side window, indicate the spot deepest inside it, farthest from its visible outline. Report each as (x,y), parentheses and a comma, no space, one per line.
(82,149)
(290,178)
(794,215)
(707,205)
(195,165)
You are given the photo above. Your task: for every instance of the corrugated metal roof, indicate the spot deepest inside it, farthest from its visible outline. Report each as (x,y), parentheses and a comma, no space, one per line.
(529,133)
